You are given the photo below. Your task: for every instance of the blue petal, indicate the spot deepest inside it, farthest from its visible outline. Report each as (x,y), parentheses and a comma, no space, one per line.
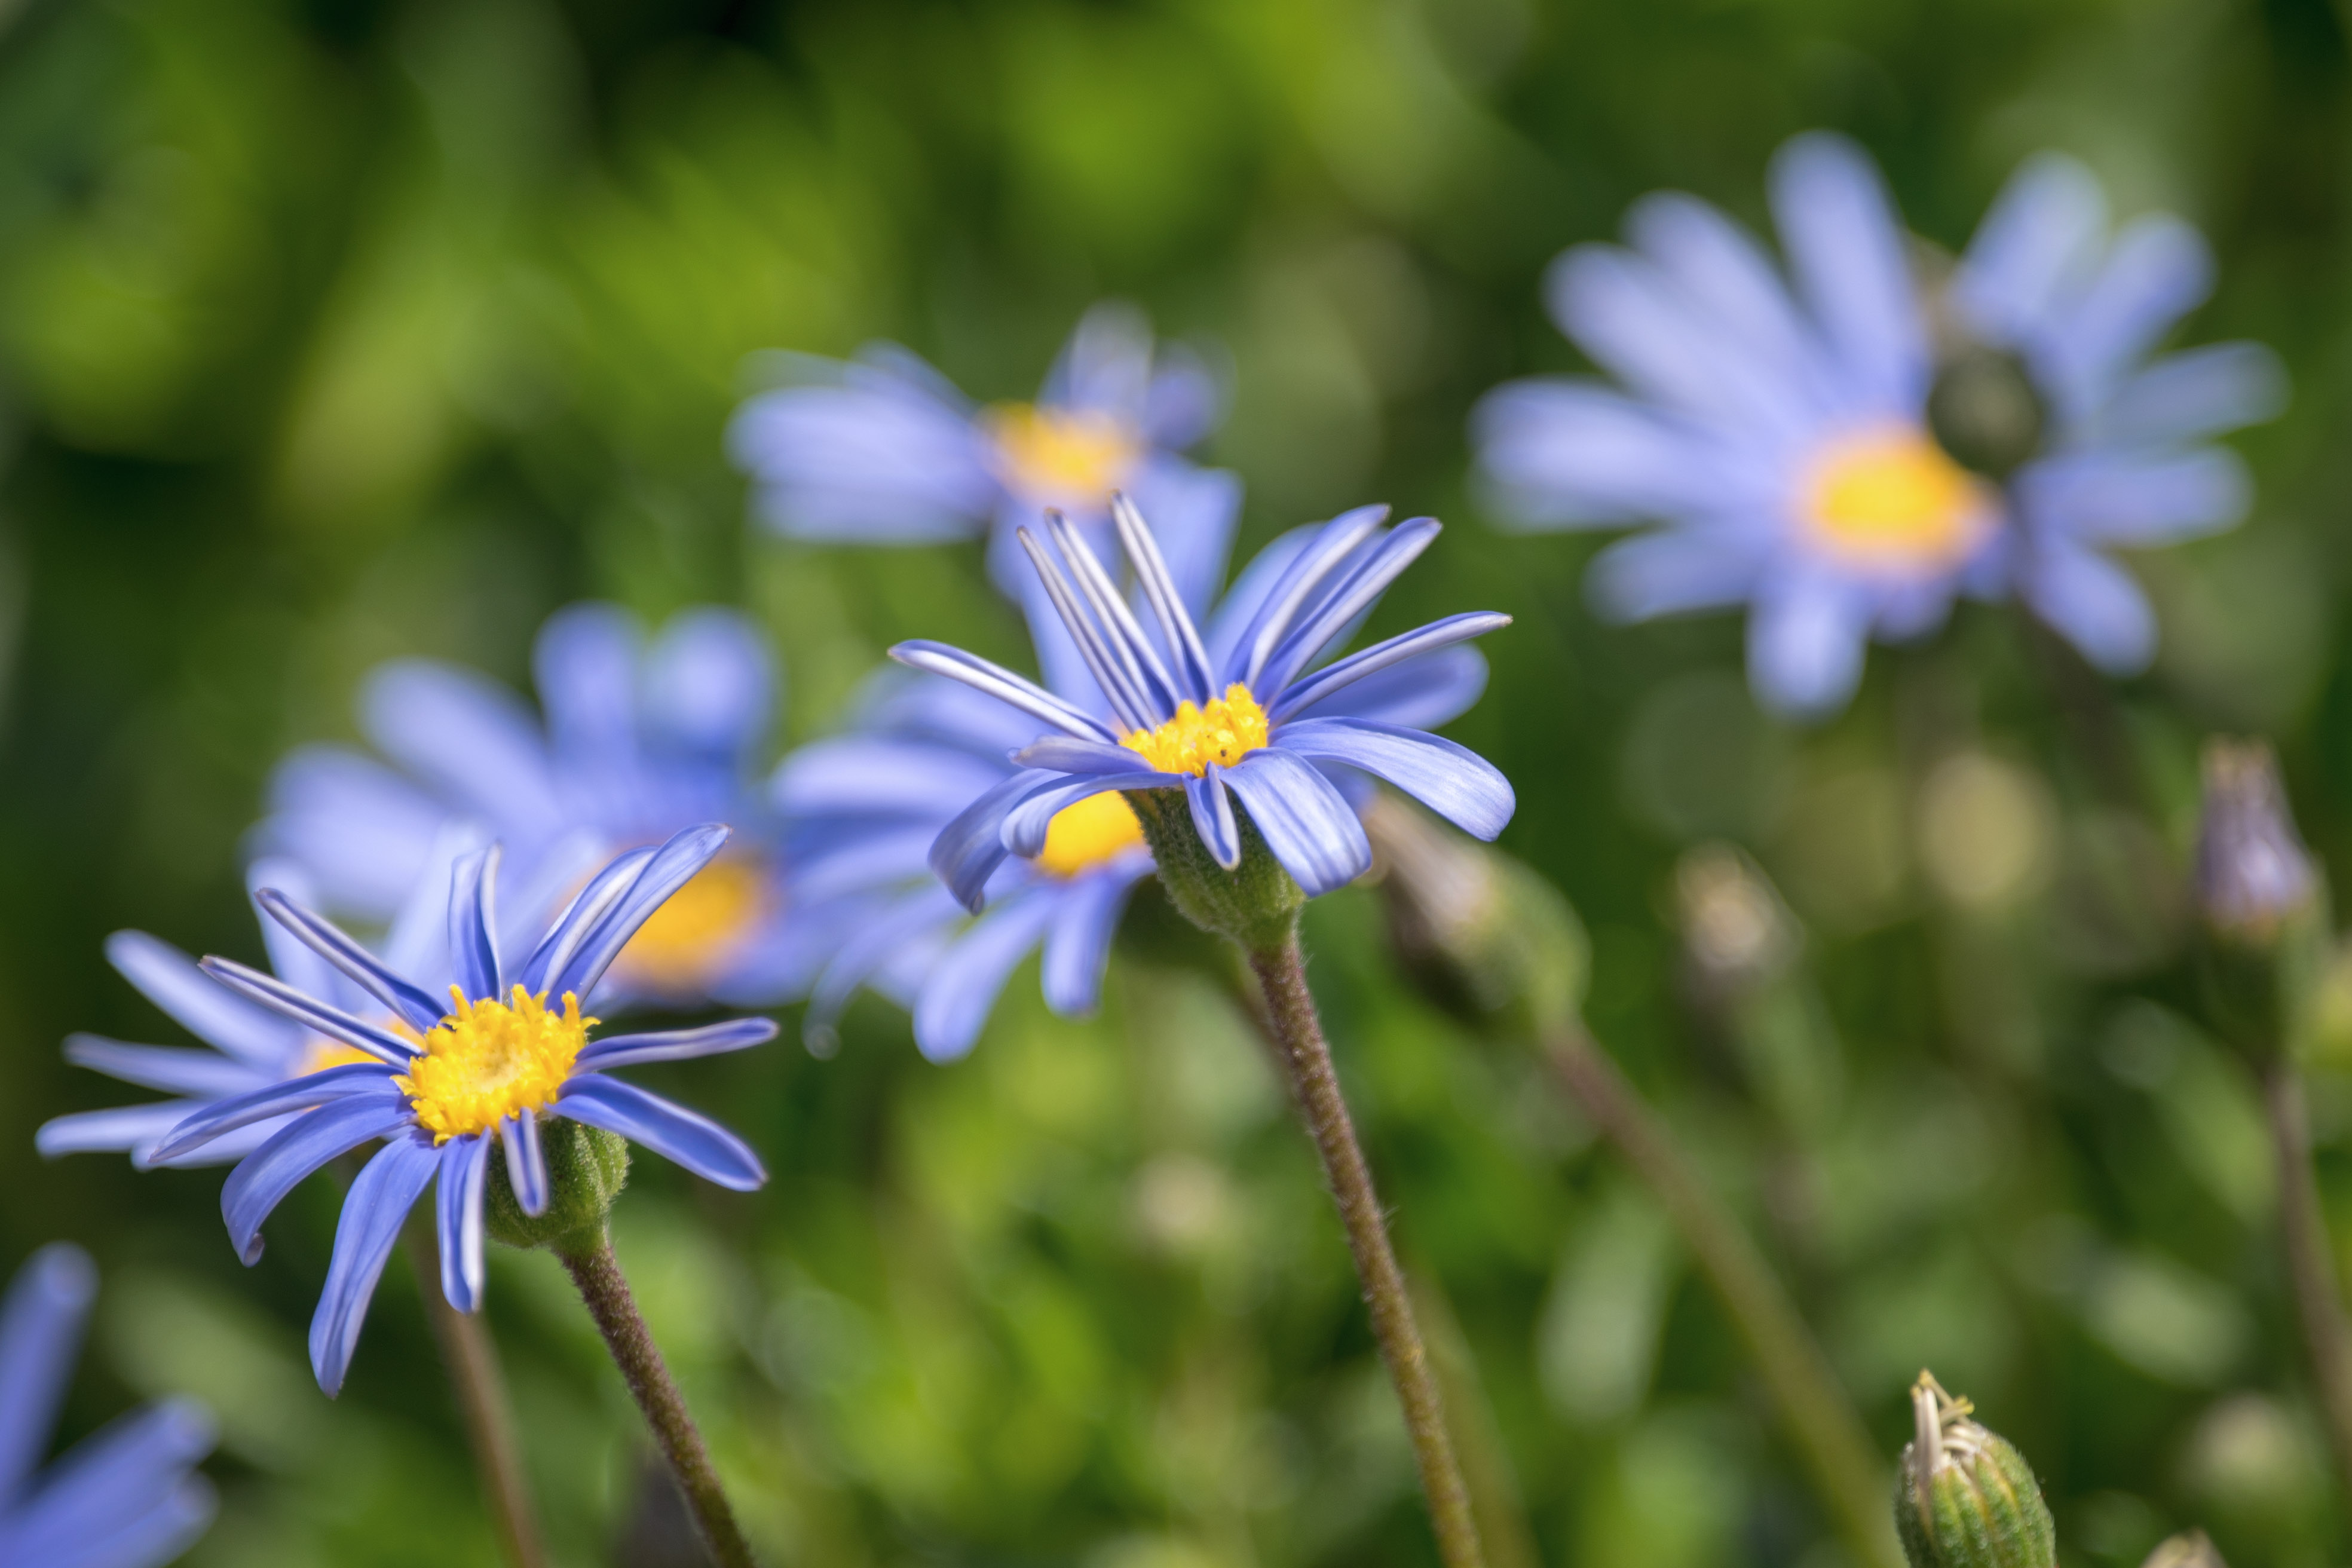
(363,830)
(40,1330)
(465,1167)
(672,866)
(1845,247)
(469,737)
(1345,672)
(1453,781)
(2195,393)
(1727,283)
(1107,363)
(356,1079)
(872,775)
(2137,497)
(2093,604)
(526,1162)
(1212,816)
(291,958)
(1306,821)
(1805,639)
(1676,570)
(205,1074)
(581,919)
(126,1497)
(681,1135)
(1351,597)
(962,986)
(584,663)
(1001,684)
(171,979)
(1291,594)
(1421,694)
(675,1045)
(1239,609)
(2157,271)
(1078,944)
(473,925)
(1191,514)
(420,1011)
(261,1182)
(1557,453)
(1067,754)
(132,1129)
(382,1044)
(711,683)
(2041,233)
(1026,823)
(880,935)
(373,1211)
(969,848)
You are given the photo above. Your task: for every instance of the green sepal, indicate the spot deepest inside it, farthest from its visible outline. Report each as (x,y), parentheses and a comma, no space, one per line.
(1256,903)
(2261,988)
(1984,1511)
(586,1169)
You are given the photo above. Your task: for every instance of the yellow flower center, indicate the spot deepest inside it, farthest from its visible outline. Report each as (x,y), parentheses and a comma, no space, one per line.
(1889,497)
(694,933)
(490,1059)
(1087,834)
(1229,729)
(324,1054)
(1075,457)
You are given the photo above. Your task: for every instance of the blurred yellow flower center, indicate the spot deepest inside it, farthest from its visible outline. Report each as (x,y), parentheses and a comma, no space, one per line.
(1087,834)
(490,1059)
(324,1054)
(1073,456)
(1229,729)
(1889,496)
(698,930)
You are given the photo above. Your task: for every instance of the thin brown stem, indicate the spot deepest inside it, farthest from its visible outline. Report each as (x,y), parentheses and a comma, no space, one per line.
(597,1273)
(473,1365)
(2311,1261)
(1306,1059)
(1821,1416)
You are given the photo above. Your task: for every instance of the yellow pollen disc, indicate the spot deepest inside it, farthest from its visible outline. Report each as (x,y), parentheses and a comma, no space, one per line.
(1075,457)
(490,1059)
(325,1054)
(1087,834)
(1229,729)
(691,937)
(1888,497)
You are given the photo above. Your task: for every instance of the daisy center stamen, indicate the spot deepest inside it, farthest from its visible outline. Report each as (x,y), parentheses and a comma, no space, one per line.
(1229,729)
(692,935)
(1889,497)
(490,1059)
(1097,828)
(1068,455)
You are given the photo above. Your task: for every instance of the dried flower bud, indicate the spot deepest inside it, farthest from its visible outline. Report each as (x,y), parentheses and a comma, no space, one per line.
(1965,1498)
(2190,1549)
(2261,903)
(2254,875)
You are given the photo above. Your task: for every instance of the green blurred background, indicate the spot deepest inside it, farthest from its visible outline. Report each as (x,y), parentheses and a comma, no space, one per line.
(332,331)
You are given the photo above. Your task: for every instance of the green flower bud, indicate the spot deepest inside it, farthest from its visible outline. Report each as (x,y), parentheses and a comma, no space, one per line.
(1983,410)
(586,1169)
(1256,903)
(2262,904)
(2190,1549)
(1480,926)
(1965,1498)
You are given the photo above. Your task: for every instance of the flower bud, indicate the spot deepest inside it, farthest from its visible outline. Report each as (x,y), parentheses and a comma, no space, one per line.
(1983,410)
(1479,924)
(1737,936)
(2261,902)
(2190,1549)
(1965,1498)
(586,1169)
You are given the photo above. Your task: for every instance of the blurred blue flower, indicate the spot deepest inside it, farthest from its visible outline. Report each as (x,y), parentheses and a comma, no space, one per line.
(1794,435)
(636,741)
(1234,715)
(882,451)
(441,1084)
(130,1496)
(252,1048)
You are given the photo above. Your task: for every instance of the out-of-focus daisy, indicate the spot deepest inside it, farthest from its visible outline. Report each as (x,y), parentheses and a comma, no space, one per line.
(633,743)
(441,1084)
(1242,715)
(882,451)
(1808,441)
(130,1496)
(253,1047)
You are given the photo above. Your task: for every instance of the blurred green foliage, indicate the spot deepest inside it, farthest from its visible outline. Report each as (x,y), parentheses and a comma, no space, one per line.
(334,331)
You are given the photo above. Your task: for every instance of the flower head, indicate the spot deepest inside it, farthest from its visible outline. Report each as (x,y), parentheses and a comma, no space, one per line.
(130,1496)
(1844,453)
(882,450)
(440,1086)
(633,743)
(1240,722)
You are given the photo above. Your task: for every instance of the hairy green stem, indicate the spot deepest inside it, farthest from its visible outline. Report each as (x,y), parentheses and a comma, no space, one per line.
(473,1365)
(1306,1058)
(1821,1416)
(597,1273)
(2311,1262)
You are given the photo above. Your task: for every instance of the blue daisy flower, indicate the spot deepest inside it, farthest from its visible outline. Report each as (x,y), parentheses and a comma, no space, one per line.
(440,1084)
(882,451)
(634,741)
(1240,716)
(130,1496)
(252,1048)
(1787,429)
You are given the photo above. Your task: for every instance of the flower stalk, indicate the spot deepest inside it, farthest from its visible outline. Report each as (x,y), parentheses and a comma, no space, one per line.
(2311,1262)
(473,1376)
(598,1274)
(1306,1058)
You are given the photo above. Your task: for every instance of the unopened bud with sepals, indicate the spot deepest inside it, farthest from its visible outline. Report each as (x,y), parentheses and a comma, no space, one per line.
(1964,1498)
